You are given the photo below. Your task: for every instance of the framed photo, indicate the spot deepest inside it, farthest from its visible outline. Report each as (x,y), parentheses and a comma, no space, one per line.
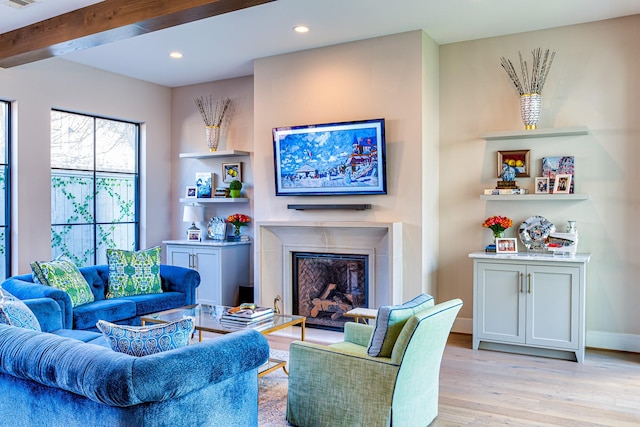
(562,183)
(190,192)
(542,184)
(231,171)
(330,159)
(194,235)
(506,246)
(552,166)
(517,159)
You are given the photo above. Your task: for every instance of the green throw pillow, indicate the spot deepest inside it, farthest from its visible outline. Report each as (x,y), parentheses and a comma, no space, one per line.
(390,321)
(134,273)
(63,275)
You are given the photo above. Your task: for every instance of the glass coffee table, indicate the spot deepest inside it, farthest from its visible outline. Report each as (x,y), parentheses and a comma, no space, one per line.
(207,319)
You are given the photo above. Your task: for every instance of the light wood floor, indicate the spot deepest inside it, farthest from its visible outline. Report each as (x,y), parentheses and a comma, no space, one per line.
(490,388)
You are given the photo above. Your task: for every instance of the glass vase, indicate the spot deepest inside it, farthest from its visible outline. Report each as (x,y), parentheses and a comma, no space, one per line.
(212,134)
(497,235)
(236,231)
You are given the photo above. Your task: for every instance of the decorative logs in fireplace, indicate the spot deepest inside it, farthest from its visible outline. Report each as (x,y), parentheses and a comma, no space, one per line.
(325,286)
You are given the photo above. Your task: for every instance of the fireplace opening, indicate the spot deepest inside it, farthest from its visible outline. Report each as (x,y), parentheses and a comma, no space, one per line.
(327,285)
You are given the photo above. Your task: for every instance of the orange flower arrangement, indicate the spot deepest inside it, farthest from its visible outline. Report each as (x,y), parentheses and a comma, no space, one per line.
(238,220)
(497,224)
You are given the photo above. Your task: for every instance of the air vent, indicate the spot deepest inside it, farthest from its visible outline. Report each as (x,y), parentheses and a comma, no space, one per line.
(19,4)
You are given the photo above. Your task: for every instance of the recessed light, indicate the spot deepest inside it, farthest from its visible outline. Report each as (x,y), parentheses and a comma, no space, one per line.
(175,55)
(301,29)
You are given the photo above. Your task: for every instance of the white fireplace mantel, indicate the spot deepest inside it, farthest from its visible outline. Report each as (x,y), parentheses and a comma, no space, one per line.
(276,241)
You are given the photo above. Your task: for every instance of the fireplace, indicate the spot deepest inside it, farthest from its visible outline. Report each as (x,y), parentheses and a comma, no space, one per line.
(327,285)
(276,241)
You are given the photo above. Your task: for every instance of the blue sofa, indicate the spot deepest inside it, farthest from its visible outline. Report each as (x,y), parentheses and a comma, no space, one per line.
(70,377)
(178,285)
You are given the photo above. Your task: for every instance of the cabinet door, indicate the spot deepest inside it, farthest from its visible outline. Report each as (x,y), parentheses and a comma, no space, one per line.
(208,265)
(179,256)
(500,302)
(553,306)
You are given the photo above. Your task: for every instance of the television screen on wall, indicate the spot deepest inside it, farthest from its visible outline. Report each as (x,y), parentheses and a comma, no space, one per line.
(330,159)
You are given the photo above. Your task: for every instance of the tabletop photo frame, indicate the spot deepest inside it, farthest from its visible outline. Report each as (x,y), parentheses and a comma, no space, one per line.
(562,183)
(506,245)
(542,185)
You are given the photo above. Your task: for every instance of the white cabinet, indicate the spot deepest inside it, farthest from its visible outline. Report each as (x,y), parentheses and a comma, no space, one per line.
(223,267)
(530,303)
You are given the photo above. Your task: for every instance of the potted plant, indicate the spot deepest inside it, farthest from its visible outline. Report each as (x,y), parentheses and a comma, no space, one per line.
(235,186)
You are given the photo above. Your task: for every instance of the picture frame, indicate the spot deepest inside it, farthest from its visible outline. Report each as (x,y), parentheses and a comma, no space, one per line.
(562,183)
(552,166)
(194,235)
(231,171)
(542,185)
(330,159)
(204,185)
(190,192)
(518,159)
(506,245)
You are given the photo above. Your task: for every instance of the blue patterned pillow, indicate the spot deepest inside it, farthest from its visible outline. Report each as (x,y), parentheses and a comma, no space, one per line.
(134,273)
(14,312)
(390,321)
(146,340)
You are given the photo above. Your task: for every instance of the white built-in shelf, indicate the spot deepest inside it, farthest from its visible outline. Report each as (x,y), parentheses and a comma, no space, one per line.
(215,200)
(536,197)
(211,154)
(536,133)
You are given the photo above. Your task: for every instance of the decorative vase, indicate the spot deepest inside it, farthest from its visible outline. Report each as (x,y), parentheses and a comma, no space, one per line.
(212,134)
(235,193)
(497,235)
(237,230)
(530,105)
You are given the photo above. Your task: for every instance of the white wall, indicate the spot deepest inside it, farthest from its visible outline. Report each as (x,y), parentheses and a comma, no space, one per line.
(53,83)
(594,81)
(188,134)
(380,77)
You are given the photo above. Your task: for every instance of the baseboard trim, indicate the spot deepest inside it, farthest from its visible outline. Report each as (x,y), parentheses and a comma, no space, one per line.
(463,326)
(594,339)
(613,341)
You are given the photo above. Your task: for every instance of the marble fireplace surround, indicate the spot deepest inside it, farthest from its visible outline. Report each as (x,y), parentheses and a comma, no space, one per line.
(277,240)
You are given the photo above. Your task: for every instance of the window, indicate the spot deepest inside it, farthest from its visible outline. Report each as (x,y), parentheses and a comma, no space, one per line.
(5,117)
(94,186)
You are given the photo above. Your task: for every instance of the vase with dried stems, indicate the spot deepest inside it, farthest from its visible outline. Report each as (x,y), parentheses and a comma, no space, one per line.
(213,114)
(530,88)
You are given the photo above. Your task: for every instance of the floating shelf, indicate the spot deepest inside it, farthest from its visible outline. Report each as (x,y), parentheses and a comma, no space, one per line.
(215,200)
(523,197)
(211,154)
(536,133)
(356,207)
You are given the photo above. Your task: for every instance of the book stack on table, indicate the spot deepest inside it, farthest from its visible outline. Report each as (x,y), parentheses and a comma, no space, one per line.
(246,315)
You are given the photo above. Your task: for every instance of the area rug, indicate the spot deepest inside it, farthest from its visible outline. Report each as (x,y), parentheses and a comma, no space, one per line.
(272,395)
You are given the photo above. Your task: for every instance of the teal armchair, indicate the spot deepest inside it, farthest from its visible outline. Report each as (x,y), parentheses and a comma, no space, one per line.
(341,385)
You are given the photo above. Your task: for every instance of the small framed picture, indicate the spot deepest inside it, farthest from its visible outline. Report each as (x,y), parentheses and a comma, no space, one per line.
(231,171)
(194,235)
(506,246)
(562,183)
(190,192)
(516,159)
(542,184)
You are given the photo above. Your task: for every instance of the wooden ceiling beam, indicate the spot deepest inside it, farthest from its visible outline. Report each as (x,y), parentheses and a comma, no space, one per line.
(105,22)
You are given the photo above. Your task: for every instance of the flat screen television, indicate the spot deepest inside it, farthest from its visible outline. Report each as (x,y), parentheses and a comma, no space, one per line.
(330,159)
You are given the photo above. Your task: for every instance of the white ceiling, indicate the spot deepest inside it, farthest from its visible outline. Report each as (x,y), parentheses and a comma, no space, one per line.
(225,46)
